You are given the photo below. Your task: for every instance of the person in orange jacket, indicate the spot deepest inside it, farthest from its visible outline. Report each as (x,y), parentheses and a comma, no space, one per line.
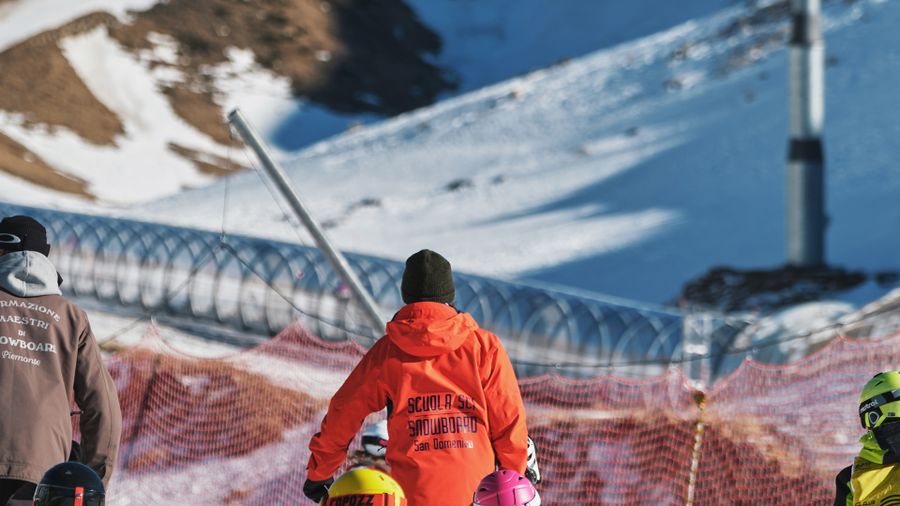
(455,412)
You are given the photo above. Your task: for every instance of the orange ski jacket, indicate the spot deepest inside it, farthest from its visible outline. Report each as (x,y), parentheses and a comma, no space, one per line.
(455,410)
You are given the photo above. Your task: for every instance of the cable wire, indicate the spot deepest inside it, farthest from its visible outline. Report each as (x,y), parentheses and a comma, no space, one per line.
(288,217)
(359,332)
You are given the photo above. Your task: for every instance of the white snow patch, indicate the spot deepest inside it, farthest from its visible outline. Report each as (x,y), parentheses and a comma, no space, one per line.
(213,481)
(165,48)
(809,319)
(263,96)
(140,166)
(265,99)
(19,191)
(25,18)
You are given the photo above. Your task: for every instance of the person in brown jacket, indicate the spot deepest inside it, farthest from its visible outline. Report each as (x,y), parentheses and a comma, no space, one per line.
(48,360)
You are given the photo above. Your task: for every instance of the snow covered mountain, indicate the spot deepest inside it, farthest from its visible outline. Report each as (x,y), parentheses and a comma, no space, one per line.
(123,101)
(626,171)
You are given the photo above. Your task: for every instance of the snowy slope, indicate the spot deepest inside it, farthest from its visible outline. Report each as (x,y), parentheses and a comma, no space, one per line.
(140,164)
(597,175)
(21,19)
(486,42)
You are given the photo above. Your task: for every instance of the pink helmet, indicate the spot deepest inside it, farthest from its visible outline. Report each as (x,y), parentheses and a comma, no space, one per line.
(506,488)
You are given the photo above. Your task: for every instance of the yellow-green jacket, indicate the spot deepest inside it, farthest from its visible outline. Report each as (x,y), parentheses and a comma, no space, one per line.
(872,480)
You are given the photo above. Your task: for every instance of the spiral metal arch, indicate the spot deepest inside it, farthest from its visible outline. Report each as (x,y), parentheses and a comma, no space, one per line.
(260,286)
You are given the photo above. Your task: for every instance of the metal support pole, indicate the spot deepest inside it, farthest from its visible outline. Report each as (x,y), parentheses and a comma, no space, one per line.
(696,346)
(806,218)
(337,260)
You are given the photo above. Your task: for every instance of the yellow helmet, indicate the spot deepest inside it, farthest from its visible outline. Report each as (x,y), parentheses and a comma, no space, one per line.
(364,486)
(880,399)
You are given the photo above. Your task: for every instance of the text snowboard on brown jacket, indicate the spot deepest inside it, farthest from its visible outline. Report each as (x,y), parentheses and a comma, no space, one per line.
(457,410)
(48,360)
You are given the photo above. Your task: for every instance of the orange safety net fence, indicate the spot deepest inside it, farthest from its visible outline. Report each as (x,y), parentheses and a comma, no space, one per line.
(778,435)
(235,430)
(611,441)
(222,431)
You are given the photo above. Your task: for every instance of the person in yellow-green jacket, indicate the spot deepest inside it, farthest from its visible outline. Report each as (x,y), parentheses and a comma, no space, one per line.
(874,477)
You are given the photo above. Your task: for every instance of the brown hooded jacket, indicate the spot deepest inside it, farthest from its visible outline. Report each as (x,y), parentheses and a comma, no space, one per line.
(48,360)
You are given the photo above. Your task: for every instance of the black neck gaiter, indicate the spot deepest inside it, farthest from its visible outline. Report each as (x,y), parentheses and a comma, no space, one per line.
(888,437)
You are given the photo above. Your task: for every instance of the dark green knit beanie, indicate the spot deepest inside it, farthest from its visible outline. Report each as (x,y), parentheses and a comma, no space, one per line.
(427,278)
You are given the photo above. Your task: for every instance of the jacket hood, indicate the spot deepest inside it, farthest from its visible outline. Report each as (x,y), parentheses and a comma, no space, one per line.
(429,329)
(28,274)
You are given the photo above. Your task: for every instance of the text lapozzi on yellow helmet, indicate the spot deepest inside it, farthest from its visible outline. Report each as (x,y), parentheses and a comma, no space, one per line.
(365,486)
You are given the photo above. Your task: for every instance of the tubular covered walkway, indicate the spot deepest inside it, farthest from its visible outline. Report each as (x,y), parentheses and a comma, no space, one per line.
(260,286)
